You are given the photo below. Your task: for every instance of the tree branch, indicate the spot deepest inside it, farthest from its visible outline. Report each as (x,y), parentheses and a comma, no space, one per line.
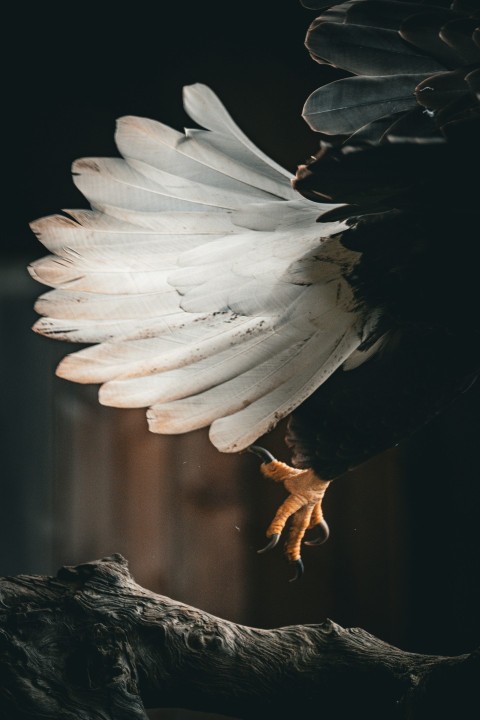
(91,643)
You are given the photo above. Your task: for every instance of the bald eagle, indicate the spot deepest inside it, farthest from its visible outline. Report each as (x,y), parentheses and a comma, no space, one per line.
(215,289)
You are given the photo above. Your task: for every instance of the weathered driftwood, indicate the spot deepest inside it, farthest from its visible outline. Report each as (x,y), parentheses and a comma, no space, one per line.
(91,643)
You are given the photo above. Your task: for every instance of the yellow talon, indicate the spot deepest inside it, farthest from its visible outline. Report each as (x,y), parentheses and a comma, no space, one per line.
(303,506)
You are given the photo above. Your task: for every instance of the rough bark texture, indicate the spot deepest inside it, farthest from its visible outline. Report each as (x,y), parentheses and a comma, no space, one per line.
(91,643)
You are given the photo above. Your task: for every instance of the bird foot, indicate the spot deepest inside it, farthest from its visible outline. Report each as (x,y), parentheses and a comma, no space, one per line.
(303,507)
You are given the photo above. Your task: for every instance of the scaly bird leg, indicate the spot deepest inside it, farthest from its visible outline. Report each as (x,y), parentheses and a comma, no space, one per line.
(303,506)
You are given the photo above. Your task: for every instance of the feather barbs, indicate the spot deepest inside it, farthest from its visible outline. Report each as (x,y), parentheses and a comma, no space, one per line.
(212,295)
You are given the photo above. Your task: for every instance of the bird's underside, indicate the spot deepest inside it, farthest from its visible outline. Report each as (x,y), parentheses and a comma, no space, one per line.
(215,294)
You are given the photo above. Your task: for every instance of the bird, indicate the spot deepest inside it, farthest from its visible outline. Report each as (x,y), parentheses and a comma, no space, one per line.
(216,289)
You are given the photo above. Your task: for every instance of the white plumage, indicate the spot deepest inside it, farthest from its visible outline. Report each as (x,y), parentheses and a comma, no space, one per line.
(213,296)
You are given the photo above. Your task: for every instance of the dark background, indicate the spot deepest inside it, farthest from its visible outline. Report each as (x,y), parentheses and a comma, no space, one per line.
(81,481)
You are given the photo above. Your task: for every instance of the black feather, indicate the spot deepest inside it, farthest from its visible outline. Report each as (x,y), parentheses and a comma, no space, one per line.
(415,126)
(473,80)
(386,14)
(374,132)
(438,91)
(367,51)
(423,31)
(404,178)
(459,35)
(346,105)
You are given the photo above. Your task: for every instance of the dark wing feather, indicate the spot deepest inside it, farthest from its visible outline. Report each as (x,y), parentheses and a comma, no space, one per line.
(346,105)
(363,412)
(415,126)
(439,91)
(387,14)
(473,80)
(423,31)
(373,132)
(403,176)
(367,51)
(458,34)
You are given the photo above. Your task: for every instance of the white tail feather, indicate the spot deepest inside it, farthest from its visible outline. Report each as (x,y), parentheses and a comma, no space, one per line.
(205,108)
(214,296)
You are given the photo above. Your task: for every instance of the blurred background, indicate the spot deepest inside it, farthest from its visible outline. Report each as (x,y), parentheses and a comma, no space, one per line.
(81,481)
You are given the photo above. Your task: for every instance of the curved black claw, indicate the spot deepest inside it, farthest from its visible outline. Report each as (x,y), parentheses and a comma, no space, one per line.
(299,569)
(273,541)
(261,452)
(324,531)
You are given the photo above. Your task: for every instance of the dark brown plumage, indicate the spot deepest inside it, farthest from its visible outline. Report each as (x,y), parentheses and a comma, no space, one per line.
(408,182)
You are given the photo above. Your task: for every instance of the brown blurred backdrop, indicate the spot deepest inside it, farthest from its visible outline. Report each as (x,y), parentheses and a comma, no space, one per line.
(80,481)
